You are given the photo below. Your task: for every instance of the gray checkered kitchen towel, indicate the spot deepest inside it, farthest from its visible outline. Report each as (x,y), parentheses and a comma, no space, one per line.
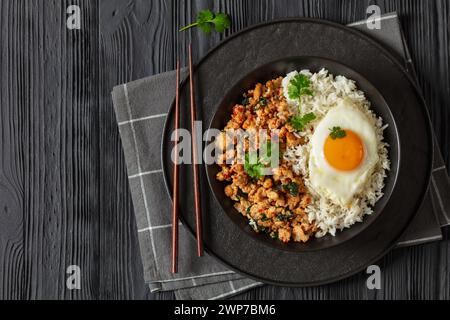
(141,108)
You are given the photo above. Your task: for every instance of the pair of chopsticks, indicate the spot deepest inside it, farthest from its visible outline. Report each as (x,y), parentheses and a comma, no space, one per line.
(176,195)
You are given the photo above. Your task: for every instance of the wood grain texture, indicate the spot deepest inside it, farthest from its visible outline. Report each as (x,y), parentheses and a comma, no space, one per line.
(154,44)
(64,194)
(11,164)
(49,140)
(121,268)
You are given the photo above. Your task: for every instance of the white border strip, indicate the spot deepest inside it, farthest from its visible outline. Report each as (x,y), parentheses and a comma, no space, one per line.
(232,286)
(197,277)
(125,89)
(157,227)
(376,19)
(137,175)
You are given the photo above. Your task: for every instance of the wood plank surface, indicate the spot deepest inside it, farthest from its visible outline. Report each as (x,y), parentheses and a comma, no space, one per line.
(64,194)
(49,124)
(11,164)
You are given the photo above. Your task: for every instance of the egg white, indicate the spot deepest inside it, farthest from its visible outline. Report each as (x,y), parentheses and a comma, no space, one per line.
(341,186)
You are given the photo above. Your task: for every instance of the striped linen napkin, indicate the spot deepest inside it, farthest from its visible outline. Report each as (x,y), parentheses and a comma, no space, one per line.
(141,108)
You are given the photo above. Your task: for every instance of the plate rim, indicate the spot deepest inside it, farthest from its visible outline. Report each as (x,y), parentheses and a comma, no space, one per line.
(397,138)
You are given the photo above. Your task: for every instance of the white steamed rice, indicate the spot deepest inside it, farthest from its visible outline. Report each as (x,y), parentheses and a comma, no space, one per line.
(328,91)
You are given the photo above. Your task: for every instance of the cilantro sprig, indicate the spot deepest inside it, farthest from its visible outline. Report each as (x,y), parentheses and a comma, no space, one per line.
(208,20)
(337,133)
(299,86)
(299,123)
(255,165)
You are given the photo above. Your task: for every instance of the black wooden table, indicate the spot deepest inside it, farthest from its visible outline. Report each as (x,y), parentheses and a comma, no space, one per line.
(64,195)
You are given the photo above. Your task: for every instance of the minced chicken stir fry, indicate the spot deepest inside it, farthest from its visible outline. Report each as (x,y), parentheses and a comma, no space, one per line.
(274,204)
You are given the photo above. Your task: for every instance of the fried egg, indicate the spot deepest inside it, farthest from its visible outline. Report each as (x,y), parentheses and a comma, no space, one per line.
(339,167)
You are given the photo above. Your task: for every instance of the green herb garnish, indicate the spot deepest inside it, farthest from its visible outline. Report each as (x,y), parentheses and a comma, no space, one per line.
(299,86)
(245,100)
(263,229)
(248,210)
(252,166)
(337,133)
(266,152)
(292,188)
(262,102)
(264,217)
(284,217)
(299,123)
(207,20)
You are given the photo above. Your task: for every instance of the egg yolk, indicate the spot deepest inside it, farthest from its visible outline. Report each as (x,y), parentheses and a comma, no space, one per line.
(345,153)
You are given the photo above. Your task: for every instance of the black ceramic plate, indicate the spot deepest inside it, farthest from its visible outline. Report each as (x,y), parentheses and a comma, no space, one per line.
(282,67)
(261,53)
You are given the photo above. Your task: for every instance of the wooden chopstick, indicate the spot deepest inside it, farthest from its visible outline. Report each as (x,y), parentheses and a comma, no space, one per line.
(175,177)
(198,208)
